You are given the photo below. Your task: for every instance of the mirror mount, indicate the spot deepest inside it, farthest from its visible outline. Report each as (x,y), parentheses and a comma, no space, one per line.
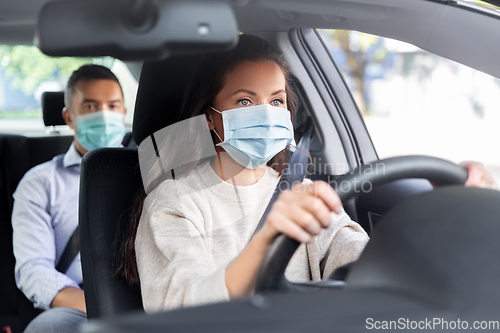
(140,15)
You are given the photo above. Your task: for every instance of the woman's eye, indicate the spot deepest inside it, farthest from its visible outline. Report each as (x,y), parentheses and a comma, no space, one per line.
(89,106)
(244,102)
(277,102)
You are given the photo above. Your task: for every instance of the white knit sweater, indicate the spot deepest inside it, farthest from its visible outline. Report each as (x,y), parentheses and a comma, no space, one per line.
(191,228)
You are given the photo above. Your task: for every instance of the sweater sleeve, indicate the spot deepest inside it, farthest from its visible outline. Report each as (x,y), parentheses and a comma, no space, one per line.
(341,243)
(345,247)
(173,258)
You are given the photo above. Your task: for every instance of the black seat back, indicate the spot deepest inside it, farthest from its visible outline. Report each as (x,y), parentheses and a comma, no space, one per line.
(110,178)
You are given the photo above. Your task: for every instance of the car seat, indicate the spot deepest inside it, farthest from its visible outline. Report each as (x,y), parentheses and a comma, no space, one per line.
(18,154)
(110,178)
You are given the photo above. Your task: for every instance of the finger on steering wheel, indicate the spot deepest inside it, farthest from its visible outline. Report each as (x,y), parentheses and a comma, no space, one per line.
(282,224)
(315,207)
(323,191)
(305,219)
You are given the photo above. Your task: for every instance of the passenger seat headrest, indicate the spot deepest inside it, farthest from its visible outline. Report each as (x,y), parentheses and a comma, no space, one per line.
(52,105)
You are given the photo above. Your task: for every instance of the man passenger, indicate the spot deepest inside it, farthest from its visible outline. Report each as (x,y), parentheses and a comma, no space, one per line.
(45,212)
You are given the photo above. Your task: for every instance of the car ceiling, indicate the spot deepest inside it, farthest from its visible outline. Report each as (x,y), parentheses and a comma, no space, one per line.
(439,26)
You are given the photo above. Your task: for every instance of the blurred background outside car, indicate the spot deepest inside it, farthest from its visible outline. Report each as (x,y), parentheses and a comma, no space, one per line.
(26,73)
(415,102)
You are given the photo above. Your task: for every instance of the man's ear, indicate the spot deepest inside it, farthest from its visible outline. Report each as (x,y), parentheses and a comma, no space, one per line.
(210,120)
(67,117)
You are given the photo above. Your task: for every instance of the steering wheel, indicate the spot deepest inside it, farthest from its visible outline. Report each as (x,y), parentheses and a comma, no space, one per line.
(271,275)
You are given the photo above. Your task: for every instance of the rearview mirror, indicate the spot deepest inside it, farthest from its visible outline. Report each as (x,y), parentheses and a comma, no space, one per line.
(135,29)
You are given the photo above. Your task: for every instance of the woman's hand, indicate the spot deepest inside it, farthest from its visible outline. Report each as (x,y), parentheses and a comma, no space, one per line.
(301,212)
(479,176)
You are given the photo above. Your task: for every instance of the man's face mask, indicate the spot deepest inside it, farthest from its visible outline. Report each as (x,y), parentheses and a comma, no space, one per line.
(255,134)
(100,129)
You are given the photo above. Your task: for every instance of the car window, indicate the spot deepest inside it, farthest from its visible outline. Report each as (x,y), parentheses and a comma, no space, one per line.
(26,73)
(415,102)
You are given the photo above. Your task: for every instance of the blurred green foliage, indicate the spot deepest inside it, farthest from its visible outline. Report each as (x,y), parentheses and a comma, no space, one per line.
(28,66)
(18,114)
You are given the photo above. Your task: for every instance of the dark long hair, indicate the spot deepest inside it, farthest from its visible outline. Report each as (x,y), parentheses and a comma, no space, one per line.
(206,83)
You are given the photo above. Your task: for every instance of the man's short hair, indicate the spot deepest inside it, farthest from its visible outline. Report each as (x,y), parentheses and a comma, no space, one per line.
(87,72)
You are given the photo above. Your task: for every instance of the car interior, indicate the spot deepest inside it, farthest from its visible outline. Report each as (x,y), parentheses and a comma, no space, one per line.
(18,154)
(409,269)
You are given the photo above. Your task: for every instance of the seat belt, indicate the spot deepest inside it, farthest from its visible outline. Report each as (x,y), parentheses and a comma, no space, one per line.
(70,252)
(294,174)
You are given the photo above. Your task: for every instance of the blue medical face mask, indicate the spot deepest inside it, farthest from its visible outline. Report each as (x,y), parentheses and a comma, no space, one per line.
(255,134)
(100,129)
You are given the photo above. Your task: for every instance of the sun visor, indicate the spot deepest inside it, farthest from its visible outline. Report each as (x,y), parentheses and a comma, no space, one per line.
(135,29)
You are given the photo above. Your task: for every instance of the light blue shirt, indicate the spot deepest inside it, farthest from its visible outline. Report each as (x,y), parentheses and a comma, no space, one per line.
(44,217)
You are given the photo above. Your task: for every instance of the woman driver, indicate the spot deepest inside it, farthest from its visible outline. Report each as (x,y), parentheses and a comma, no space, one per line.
(193,243)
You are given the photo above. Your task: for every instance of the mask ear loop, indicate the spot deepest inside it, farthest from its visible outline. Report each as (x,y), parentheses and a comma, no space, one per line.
(214,128)
(215,109)
(218,136)
(218,153)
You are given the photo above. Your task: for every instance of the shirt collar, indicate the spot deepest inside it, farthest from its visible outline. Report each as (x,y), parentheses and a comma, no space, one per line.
(72,157)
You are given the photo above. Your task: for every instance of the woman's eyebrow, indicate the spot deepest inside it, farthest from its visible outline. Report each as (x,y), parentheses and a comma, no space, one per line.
(278,92)
(253,93)
(245,91)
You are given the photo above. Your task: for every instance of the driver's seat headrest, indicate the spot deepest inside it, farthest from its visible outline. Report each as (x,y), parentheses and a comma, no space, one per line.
(159,97)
